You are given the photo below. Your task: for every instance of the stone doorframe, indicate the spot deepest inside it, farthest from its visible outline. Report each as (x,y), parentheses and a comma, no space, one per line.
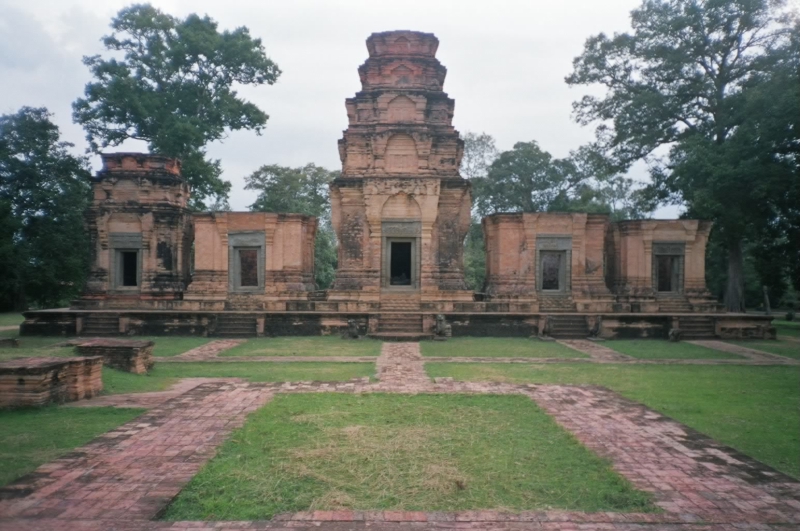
(674,249)
(120,242)
(255,240)
(400,231)
(557,243)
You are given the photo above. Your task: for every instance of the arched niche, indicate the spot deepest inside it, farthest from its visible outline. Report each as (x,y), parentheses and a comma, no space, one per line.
(401,206)
(401,154)
(402,109)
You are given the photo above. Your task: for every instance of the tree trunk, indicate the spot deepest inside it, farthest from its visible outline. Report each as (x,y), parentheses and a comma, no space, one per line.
(734,293)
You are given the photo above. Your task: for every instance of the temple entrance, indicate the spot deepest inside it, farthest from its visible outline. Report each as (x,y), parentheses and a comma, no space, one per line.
(127,268)
(400,263)
(668,273)
(553,270)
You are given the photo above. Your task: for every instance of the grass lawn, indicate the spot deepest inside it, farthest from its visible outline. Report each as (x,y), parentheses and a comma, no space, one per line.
(305,346)
(31,437)
(657,349)
(752,409)
(787,328)
(391,452)
(498,347)
(37,346)
(266,372)
(11,319)
(790,349)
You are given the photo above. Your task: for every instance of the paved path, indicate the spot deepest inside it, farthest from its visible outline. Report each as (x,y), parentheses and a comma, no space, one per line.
(272,359)
(208,351)
(750,353)
(598,352)
(148,400)
(125,478)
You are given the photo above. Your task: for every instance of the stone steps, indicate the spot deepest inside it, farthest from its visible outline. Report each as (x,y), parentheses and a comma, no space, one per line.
(556,304)
(235,326)
(568,326)
(400,323)
(697,328)
(673,304)
(100,325)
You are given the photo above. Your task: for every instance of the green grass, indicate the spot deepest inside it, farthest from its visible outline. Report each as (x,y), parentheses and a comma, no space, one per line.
(171,346)
(305,346)
(391,452)
(11,319)
(266,372)
(119,382)
(37,346)
(790,349)
(787,328)
(498,347)
(657,349)
(31,437)
(752,409)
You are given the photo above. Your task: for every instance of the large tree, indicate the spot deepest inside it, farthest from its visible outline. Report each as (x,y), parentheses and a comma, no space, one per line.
(174,88)
(680,82)
(302,190)
(43,193)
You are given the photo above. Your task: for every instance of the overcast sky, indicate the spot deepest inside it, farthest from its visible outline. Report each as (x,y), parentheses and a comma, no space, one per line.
(506,64)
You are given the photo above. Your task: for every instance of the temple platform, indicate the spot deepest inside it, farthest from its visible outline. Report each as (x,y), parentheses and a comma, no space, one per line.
(98,323)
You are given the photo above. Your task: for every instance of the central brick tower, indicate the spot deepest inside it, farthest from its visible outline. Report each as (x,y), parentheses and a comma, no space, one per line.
(401,210)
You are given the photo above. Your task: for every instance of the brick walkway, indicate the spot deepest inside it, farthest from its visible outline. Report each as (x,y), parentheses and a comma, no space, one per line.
(597,351)
(125,478)
(208,351)
(750,353)
(149,400)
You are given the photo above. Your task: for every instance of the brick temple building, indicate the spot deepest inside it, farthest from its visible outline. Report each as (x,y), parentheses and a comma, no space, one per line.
(401,212)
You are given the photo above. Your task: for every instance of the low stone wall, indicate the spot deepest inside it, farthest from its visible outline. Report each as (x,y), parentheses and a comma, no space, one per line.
(29,382)
(124,355)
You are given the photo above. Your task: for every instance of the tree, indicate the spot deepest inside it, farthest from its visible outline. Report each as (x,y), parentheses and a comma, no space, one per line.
(479,153)
(527,179)
(680,82)
(174,89)
(43,193)
(301,190)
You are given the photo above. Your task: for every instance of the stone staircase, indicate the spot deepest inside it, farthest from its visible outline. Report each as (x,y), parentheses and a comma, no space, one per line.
(555,303)
(400,327)
(697,327)
(100,324)
(568,326)
(235,325)
(400,302)
(673,304)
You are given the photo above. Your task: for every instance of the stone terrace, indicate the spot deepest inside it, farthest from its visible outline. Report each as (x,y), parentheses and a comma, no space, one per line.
(124,479)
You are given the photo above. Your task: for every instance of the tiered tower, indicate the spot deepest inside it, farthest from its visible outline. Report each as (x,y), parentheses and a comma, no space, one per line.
(401,210)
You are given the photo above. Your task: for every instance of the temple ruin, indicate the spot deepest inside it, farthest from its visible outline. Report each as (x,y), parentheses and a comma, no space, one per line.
(401,212)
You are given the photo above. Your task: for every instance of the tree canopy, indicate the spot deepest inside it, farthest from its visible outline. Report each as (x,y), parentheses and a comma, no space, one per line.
(302,190)
(174,88)
(43,193)
(686,79)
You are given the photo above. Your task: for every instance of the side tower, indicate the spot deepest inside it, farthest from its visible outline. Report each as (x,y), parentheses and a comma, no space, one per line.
(401,210)
(140,231)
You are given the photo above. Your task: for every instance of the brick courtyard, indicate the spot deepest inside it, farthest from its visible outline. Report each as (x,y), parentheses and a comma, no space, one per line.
(125,478)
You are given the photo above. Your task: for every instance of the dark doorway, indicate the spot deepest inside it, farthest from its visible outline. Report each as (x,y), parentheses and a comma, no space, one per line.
(552,270)
(130,268)
(400,264)
(248,267)
(667,272)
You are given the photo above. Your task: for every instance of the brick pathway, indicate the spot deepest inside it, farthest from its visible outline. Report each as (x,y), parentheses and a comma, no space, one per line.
(273,359)
(123,479)
(596,351)
(149,400)
(208,351)
(750,353)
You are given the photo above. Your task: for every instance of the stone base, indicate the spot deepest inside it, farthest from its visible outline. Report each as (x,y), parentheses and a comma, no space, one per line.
(480,321)
(39,381)
(124,355)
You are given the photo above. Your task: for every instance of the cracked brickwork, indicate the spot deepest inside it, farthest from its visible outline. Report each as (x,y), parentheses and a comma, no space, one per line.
(125,478)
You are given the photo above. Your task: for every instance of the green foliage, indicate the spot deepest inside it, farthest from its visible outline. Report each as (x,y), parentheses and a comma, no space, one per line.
(475,257)
(174,88)
(752,409)
(392,452)
(302,190)
(43,193)
(479,153)
(715,83)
